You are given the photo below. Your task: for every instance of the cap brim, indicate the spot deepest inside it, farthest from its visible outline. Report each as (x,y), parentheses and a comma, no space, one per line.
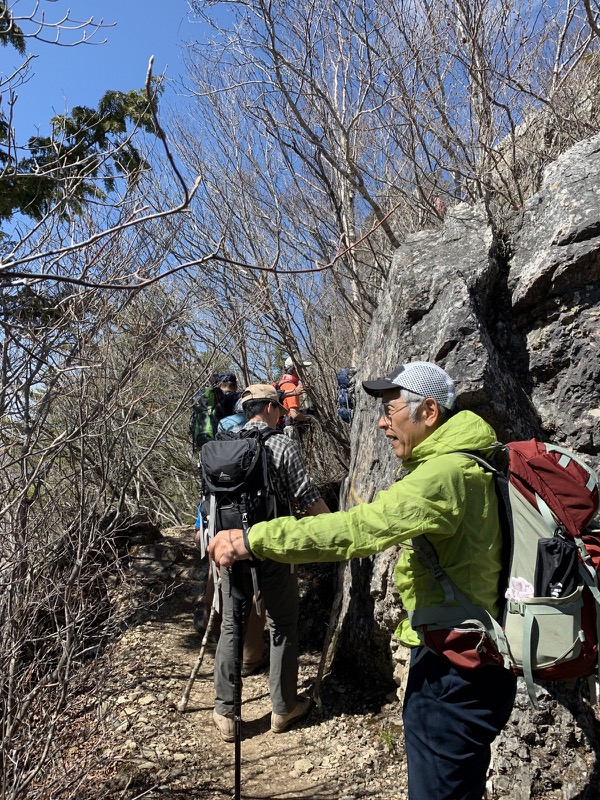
(376,388)
(282,408)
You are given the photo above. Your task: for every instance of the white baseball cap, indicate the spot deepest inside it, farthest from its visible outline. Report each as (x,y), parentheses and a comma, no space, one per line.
(290,362)
(420,377)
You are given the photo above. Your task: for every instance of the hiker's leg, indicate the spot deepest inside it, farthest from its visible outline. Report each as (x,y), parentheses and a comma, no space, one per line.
(224,656)
(254,643)
(280,592)
(451,717)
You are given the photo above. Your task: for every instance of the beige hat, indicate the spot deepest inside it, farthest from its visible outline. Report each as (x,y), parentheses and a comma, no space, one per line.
(262,391)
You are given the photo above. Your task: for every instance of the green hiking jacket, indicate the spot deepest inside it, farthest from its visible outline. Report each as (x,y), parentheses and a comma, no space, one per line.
(445,496)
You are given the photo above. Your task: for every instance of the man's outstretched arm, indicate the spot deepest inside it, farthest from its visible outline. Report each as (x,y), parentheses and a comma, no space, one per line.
(228,546)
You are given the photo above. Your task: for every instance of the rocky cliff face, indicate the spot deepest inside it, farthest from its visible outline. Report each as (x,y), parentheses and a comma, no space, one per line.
(515,319)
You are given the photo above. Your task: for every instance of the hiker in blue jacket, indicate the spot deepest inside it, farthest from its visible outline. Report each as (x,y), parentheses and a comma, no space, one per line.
(451,713)
(233,422)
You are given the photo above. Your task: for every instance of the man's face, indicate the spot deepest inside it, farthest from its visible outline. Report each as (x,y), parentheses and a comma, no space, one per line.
(403,434)
(274,412)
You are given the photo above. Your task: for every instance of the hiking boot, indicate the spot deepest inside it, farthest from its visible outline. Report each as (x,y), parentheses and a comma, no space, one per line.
(281,722)
(251,668)
(225,724)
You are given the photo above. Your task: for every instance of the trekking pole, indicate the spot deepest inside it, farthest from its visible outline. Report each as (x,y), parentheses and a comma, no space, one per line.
(206,534)
(196,668)
(236,582)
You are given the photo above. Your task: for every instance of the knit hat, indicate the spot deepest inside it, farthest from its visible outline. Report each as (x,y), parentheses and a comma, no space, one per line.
(420,377)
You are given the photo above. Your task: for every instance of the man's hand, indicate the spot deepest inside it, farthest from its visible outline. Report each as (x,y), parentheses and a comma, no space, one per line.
(227,547)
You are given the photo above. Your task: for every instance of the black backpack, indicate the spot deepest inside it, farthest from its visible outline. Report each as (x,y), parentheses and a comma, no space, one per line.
(227,404)
(237,490)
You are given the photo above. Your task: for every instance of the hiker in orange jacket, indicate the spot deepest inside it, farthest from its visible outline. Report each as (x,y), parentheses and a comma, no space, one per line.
(292,388)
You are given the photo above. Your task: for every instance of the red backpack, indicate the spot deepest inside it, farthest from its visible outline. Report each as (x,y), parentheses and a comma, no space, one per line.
(549,625)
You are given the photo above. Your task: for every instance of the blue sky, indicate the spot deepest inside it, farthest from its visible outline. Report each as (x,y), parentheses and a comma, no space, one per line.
(63,77)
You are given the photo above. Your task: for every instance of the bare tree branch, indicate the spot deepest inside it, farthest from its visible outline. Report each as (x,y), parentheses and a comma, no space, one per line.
(592,16)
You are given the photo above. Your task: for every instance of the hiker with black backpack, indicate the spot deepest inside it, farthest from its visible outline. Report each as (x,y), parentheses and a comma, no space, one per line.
(293,492)
(216,409)
(229,395)
(345,380)
(451,715)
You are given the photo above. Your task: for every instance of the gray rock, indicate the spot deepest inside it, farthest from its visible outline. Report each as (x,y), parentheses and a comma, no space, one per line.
(303,766)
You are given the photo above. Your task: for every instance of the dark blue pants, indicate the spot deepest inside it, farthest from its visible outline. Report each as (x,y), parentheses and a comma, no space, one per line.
(451,716)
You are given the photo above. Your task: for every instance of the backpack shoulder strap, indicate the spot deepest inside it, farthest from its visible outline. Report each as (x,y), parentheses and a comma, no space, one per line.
(282,503)
(496,463)
(266,433)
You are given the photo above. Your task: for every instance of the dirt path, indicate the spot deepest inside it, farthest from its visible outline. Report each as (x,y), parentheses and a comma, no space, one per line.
(351,748)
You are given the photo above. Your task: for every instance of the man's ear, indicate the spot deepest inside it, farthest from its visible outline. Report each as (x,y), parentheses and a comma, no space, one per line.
(431,413)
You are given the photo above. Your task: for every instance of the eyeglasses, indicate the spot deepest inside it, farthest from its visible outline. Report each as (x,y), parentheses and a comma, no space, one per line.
(384,410)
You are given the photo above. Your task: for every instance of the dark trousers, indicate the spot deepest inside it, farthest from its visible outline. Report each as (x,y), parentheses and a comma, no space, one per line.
(279,586)
(451,717)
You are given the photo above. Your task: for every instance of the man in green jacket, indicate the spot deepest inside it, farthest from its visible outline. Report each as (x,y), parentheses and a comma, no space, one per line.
(451,714)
